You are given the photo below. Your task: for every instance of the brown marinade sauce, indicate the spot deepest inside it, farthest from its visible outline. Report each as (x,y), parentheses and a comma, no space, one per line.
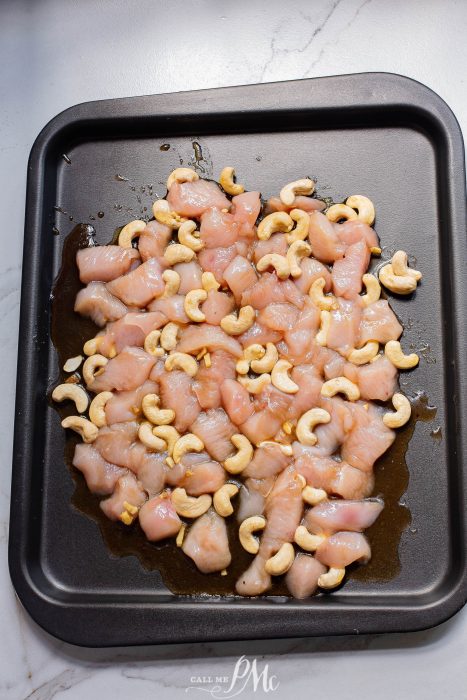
(70,331)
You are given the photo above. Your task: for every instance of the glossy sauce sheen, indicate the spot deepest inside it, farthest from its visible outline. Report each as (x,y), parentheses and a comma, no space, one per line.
(178,571)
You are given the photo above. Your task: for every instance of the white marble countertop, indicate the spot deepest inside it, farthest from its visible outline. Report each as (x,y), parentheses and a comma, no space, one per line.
(54,54)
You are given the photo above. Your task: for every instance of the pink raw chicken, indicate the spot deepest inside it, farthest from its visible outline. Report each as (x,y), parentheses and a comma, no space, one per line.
(203,335)
(194,198)
(201,474)
(153,241)
(172,308)
(369,438)
(190,276)
(100,476)
(218,229)
(342,549)
(125,372)
(139,287)
(104,262)
(258,333)
(279,316)
(277,243)
(125,406)
(216,306)
(311,271)
(208,380)
(239,275)
(215,429)
(336,478)
(207,543)
(302,577)
(236,401)
(176,392)
(345,326)
(300,202)
(131,329)
(216,260)
(158,518)
(324,240)
(377,381)
(99,304)
(332,516)
(127,489)
(379,323)
(245,209)
(267,461)
(347,272)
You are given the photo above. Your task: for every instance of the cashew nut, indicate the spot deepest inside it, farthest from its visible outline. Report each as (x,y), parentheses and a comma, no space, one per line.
(316,293)
(300,232)
(183,361)
(289,191)
(172,283)
(208,282)
(364,354)
(72,363)
(92,367)
(373,289)
(397,283)
(82,426)
(151,441)
(163,214)
(401,268)
(393,352)
(154,414)
(402,414)
(180,535)
(130,231)
(307,422)
(340,385)
(256,385)
(91,346)
(332,578)
(129,513)
(285,449)
(97,408)
(288,427)
(226,181)
(340,211)
(240,460)
(168,433)
(189,506)
(207,359)
(74,393)
(297,251)
(252,352)
(191,304)
(187,443)
(151,344)
(306,540)
(281,561)
(246,530)
(281,379)
(314,496)
(187,237)
(237,325)
(364,206)
(267,362)
(181,175)
(277,222)
(322,335)
(221,499)
(178,253)
(169,336)
(279,262)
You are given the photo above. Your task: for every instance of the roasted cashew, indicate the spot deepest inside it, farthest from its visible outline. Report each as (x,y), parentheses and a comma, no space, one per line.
(72,364)
(207,359)
(188,506)
(130,231)
(373,289)
(396,283)
(246,530)
(183,361)
(221,498)
(285,449)
(267,362)
(226,181)
(149,440)
(306,540)
(316,293)
(187,443)
(402,414)
(251,353)
(401,268)
(289,191)
(180,535)
(340,385)
(281,561)
(164,215)
(154,414)
(322,335)
(186,236)
(364,206)
(332,578)
(97,408)
(277,222)
(208,282)
(393,352)
(172,283)
(92,367)
(82,426)
(181,175)
(178,253)
(288,427)
(281,379)
(73,392)
(279,262)
(191,304)
(300,232)
(297,251)
(364,354)
(167,433)
(91,346)
(236,325)
(240,460)
(307,422)
(256,385)
(341,211)
(169,336)
(151,344)
(128,514)
(314,496)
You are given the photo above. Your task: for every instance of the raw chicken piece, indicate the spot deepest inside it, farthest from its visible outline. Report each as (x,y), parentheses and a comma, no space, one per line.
(302,577)
(308,204)
(347,272)
(176,392)
(245,209)
(312,270)
(267,461)
(190,276)
(350,232)
(379,322)
(336,478)
(343,548)
(218,229)
(125,372)
(377,380)
(236,401)
(309,393)
(279,316)
(299,339)
(214,428)
(127,490)
(194,198)
(103,263)
(100,476)
(276,244)
(262,425)
(335,365)
(216,260)
(150,469)
(99,304)
(153,242)
(239,275)
(158,518)
(345,326)
(324,240)
(139,287)
(331,435)
(252,497)
(202,475)
(157,371)
(207,543)
(216,306)
(131,329)
(258,333)
(125,406)
(332,516)
(195,338)
(208,381)
(114,443)
(172,308)
(368,439)
(269,289)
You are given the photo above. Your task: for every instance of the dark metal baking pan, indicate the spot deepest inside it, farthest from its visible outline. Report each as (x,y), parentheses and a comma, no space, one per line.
(378,134)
